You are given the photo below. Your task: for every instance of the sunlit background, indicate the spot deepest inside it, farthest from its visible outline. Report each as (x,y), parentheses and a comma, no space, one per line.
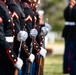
(54,43)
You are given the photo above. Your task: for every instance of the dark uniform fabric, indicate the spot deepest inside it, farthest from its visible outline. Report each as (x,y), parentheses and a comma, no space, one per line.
(39,43)
(67,35)
(67,17)
(30,20)
(19,22)
(37,40)
(73,51)
(36,23)
(7,55)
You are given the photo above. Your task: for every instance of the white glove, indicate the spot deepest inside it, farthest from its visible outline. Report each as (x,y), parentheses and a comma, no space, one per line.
(31,58)
(43,52)
(33,33)
(44,31)
(19,63)
(48,26)
(22,35)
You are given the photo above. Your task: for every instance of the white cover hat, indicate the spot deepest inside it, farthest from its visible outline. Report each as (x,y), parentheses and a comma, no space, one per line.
(41,12)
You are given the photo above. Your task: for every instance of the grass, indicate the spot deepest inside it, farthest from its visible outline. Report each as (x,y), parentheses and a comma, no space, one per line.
(53,65)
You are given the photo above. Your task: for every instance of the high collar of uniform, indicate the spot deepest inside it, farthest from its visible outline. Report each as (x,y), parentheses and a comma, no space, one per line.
(27,1)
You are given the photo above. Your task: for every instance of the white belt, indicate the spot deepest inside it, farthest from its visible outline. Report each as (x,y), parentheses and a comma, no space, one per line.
(70,23)
(9,39)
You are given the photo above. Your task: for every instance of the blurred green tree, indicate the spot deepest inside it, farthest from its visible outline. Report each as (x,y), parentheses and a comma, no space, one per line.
(54,12)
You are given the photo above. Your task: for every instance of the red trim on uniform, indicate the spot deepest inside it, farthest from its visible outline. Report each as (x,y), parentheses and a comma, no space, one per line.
(68,68)
(36,49)
(25,50)
(68,61)
(41,40)
(13,28)
(7,51)
(10,13)
(26,4)
(28,18)
(15,15)
(1,20)
(35,46)
(2,2)
(35,19)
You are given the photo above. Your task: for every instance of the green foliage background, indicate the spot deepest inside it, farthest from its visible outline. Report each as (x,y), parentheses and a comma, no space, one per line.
(54,65)
(54,12)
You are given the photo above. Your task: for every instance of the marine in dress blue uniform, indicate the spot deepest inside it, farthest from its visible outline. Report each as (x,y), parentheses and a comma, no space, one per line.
(73,51)
(68,38)
(30,20)
(8,58)
(19,25)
